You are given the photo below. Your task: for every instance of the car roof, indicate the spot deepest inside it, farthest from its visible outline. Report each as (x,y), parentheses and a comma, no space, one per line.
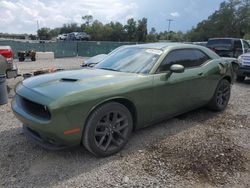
(165,45)
(175,46)
(227,38)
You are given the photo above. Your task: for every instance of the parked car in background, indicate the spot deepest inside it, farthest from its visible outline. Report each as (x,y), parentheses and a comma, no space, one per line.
(62,37)
(78,36)
(200,43)
(71,36)
(82,36)
(7,66)
(244,69)
(133,87)
(228,47)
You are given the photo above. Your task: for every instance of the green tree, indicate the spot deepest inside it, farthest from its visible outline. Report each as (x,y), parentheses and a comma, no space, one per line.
(152,36)
(72,27)
(44,33)
(97,30)
(88,19)
(130,29)
(86,26)
(142,30)
(118,32)
(231,20)
(55,32)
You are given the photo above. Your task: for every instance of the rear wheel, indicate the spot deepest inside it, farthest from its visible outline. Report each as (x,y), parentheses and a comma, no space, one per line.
(108,129)
(221,96)
(240,78)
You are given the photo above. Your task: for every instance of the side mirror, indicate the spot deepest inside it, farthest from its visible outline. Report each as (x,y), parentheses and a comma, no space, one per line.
(176,68)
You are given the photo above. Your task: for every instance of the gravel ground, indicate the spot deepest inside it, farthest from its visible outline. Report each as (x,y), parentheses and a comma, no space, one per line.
(197,149)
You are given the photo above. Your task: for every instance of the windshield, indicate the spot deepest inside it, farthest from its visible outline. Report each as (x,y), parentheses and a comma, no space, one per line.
(220,42)
(131,59)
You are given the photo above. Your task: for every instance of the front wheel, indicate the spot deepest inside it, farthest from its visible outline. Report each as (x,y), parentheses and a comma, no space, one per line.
(221,96)
(108,129)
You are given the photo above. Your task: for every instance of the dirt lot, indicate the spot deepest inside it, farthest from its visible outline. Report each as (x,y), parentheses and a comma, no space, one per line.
(197,149)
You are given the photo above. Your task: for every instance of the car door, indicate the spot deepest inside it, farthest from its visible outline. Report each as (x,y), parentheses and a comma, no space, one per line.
(175,93)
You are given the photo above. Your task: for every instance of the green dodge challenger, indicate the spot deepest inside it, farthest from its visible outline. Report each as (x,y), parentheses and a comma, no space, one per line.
(133,87)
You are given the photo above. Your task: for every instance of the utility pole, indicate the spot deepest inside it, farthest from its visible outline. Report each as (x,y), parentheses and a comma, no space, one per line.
(169,24)
(37,22)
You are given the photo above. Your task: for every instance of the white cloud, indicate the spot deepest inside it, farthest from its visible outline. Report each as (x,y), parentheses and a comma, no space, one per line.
(175,14)
(21,16)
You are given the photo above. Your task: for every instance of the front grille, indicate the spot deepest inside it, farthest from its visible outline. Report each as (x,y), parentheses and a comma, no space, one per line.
(35,109)
(246,60)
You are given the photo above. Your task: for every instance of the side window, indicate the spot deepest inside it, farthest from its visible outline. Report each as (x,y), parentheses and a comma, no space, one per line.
(187,57)
(237,45)
(246,45)
(201,57)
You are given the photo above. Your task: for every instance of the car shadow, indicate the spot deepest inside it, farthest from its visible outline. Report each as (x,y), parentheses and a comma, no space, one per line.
(245,82)
(24,163)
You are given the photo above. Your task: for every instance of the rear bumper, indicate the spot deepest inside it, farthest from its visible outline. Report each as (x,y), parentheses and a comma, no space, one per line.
(12,73)
(33,136)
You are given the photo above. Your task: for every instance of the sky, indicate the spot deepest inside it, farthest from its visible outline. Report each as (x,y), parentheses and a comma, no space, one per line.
(21,16)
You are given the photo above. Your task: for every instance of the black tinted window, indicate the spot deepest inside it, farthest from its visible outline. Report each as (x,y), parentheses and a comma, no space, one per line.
(219,42)
(238,45)
(188,58)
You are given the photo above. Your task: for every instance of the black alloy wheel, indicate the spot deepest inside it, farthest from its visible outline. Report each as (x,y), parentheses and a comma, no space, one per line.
(108,129)
(221,96)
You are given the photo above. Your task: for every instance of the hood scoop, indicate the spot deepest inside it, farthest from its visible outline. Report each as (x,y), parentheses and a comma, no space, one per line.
(68,80)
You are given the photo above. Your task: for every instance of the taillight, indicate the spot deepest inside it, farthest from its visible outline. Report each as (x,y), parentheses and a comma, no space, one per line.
(8,54)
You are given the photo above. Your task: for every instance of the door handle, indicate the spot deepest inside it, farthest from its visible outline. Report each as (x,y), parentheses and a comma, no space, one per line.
(200,74)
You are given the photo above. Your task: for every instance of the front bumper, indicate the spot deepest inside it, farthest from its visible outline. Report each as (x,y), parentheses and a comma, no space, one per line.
(243,71)
(47,133)
(35,137)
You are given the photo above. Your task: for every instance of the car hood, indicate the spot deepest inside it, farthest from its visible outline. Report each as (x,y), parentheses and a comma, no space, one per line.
(75,82)
(245,55)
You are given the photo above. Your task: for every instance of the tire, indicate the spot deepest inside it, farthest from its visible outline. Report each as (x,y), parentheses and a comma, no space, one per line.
(21,59)
(105,135)
(33,59)
(221,96)
(240,78)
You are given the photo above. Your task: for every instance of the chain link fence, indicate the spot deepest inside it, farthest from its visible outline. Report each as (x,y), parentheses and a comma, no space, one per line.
(65,48)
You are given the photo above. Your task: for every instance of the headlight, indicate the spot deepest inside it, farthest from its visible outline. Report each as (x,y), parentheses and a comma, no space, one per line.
(240,60)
